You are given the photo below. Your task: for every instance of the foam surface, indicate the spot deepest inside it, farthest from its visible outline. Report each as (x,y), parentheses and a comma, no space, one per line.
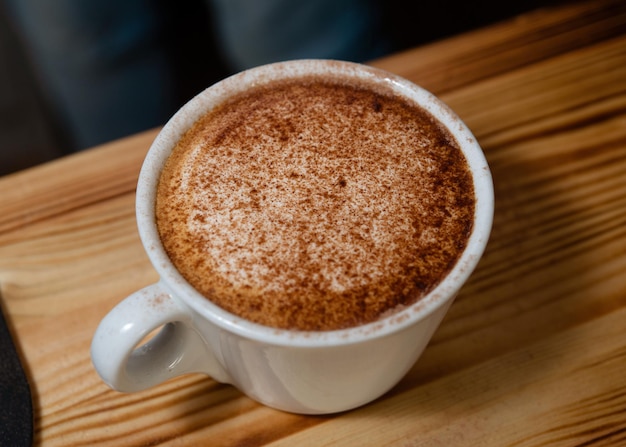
(314,205)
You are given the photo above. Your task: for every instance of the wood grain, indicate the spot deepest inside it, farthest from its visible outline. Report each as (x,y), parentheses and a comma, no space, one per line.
(532,353)
(501,48)
(72,182)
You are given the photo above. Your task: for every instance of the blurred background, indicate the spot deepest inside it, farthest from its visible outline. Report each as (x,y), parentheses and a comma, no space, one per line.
(75,74)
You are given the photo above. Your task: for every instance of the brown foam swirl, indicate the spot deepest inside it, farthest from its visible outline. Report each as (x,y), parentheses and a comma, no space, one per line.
(314,205)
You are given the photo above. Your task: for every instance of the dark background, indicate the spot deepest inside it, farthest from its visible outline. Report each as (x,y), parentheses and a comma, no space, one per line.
(29,134)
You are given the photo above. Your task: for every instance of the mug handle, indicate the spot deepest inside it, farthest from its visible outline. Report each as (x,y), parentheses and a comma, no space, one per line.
(175,350)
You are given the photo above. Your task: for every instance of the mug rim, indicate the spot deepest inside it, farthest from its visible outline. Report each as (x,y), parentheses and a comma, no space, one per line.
(182,120)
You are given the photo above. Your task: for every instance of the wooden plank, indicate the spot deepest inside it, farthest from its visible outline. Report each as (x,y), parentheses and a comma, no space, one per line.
(512,44)
(531,353)
(96,174)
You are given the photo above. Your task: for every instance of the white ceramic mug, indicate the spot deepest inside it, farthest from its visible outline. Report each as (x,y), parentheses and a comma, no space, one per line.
(302,372)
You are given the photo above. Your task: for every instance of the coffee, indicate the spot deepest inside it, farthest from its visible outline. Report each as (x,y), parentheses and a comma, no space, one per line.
(315,203)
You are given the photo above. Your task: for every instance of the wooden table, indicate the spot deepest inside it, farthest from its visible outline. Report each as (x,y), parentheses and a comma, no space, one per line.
(532,353)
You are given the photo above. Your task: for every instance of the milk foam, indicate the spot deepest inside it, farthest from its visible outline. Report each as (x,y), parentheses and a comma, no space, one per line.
(315,205)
